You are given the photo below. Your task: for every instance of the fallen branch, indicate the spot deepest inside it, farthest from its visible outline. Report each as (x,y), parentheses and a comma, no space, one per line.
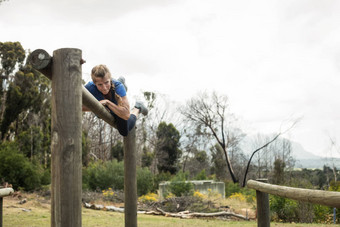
(187,214)
(184,214)
(106,208)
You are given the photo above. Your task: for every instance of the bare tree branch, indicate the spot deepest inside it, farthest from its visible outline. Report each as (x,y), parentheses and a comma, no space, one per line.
(265,145)
(210,112)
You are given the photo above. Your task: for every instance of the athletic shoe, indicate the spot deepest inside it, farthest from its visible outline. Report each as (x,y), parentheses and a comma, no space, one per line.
(142,109)
(122,80)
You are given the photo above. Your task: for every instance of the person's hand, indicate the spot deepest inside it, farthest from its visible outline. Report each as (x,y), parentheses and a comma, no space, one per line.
(104,102)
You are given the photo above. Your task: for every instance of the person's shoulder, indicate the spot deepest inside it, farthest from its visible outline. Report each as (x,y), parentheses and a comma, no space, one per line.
(90,85)
(92,88)
(119,87)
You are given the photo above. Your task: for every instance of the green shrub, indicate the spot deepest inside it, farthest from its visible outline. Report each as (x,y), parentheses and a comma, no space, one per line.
(46,177)
(231,188)
(201,176)
(17,170)
(162,176)
(285,210)
(110,174)
(144,181)
(321,213)
(179,187)
(250,194)
(103,175)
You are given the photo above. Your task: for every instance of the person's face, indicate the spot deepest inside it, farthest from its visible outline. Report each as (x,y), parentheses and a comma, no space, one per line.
(103,84)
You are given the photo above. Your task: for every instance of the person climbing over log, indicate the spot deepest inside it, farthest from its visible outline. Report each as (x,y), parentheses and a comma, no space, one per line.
(111,93)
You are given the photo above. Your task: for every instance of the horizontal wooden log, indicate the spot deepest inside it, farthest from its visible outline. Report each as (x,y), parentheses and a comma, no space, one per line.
(97,108)
(6,192)
(42,62)
(326,198)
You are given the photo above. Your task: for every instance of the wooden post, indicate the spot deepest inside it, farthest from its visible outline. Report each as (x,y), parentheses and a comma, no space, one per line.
(130,180)
(4,192)
(1,203)
(66,138)
(262,200)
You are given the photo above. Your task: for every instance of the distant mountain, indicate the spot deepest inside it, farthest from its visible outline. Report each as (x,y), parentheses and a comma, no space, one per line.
(305,159)
(300,153)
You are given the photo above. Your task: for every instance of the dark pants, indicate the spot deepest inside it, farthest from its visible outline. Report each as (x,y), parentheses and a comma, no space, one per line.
(125,126)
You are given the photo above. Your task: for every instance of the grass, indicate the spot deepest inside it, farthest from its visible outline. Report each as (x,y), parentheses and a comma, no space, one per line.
(36,213)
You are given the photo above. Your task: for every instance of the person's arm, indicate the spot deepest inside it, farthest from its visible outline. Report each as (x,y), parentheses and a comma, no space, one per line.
(122,110)
(85,109)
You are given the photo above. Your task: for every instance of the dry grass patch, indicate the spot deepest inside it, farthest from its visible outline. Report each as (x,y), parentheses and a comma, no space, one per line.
(36,213)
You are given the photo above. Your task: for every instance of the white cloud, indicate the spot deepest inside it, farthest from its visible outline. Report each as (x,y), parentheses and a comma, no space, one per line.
(274,59)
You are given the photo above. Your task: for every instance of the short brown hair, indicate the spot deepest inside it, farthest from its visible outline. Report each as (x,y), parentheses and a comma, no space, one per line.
(100,71)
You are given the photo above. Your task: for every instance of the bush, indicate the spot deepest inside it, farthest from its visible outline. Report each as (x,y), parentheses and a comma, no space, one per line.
(108,195)
(321,213)
(144,181)
(103,175)
(201,175)
(231,188)
(250,194)
(162,176)
(179,187)
(18,170)
(285,210)
(148,198)
(46,177)
(110,174)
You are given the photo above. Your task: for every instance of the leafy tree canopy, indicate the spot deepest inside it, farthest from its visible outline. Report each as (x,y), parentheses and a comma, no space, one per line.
(168,151)
(11,54)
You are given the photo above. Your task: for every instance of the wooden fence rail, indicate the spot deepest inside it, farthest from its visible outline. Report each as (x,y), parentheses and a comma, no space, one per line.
(327,198)
(3,193)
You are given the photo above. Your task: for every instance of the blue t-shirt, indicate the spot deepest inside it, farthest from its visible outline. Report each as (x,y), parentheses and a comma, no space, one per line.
(119,89)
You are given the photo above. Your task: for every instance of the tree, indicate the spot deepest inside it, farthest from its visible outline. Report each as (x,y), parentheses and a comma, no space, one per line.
(219,166)
(117,151)
(193,142)
(147,157)
(279,149)
(12,56)
(25,105)
(211,114)
(146,128)
(104,139)
(24,93)
(279,166)
(196,162)
(167,147)
(266,145)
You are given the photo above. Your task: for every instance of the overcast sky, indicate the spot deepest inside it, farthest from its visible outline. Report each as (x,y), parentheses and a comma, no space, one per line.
(275,60)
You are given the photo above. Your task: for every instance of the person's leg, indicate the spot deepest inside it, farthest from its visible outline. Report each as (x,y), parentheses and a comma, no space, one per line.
(131,122)
(122,126)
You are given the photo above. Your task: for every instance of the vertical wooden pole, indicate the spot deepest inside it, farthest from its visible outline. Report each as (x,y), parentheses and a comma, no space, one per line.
(1,204)
(262,200)
(66,138)
(130,179)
